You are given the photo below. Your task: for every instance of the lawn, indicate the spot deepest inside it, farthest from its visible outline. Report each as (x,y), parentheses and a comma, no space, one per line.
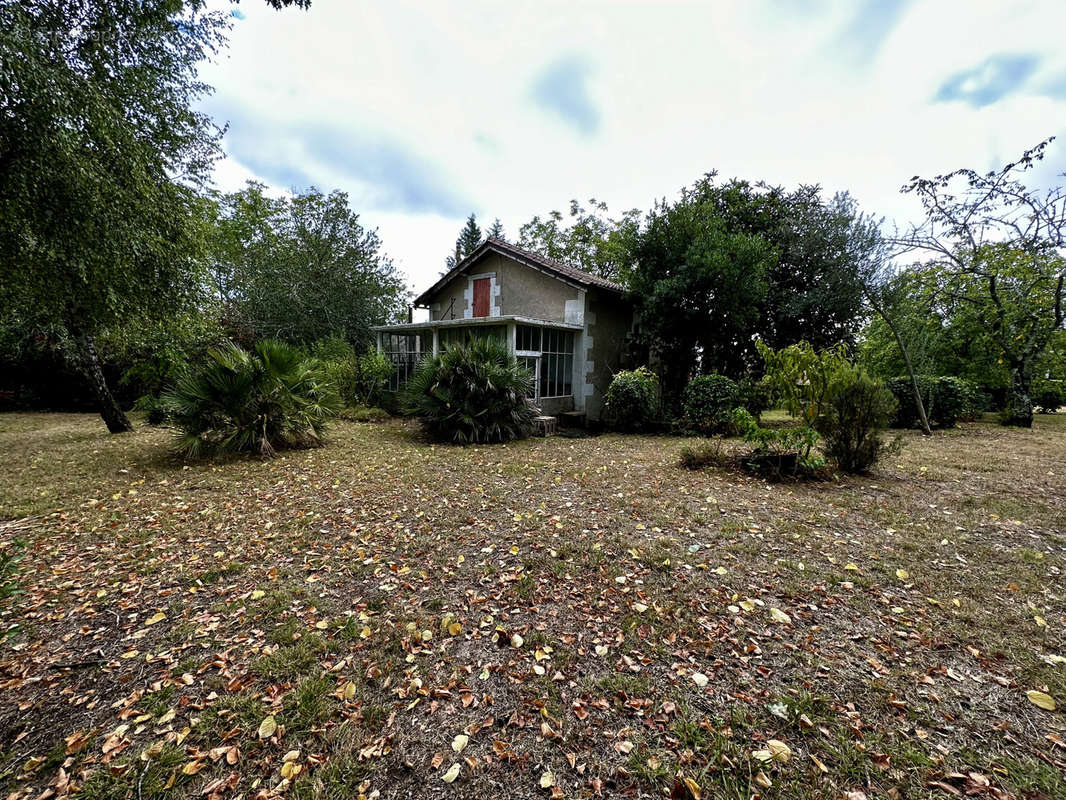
(554,617)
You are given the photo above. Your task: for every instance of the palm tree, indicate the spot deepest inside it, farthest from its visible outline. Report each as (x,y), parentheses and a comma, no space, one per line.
(251,402)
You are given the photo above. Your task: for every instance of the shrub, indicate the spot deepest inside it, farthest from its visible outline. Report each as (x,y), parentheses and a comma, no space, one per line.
(755,394)
(255,401)
(947,399)
(708,402)
(1049,398)
(801,376)
(364,414)
(472,393)
(779,451)
(337,360)
(371,378)
(952,397)
(632,400)
(856,412)
(704,455)
(155,409)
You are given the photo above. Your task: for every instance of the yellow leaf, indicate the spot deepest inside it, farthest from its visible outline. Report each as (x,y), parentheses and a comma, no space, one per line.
(1040,621)
(777,615)
(902,574)
(455,628)
(349,690)
(700,679)
(459,742)
(693,788)
(321,624)
(451,774)
(779,751)
(257,594)
(1041,699)
(547,780)
(850,567)
(267,727)
(159,616)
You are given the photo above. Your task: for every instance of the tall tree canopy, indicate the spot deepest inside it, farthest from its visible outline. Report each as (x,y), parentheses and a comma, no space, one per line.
(300,268)
(699,289)
(470,238)
(101,151)
(1000,246)
(729,263)
(591,241)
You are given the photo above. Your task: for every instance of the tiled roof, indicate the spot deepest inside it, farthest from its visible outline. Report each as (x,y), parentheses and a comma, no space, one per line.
(522,256)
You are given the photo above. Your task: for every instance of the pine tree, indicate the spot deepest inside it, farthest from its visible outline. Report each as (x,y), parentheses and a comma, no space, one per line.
(496,231)
(470,238)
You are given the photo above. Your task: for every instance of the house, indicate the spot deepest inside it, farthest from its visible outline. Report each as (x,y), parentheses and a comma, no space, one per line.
(569,327)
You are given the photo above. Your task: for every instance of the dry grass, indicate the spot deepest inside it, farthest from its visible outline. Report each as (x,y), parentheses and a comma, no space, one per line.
(303,588)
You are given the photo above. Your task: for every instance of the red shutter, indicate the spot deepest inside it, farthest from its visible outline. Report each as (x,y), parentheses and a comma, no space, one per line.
(481,297)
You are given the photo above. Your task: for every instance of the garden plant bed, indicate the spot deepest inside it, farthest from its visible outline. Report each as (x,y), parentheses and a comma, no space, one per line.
(592,618)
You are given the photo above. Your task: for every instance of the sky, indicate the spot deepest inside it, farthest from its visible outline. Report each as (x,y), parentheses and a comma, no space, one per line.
(425,112)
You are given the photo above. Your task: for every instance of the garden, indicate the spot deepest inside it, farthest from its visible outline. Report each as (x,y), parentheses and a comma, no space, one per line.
(387,613)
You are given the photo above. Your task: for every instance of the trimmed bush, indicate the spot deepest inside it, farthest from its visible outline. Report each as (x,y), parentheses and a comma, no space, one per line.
(708,402)
(257,401)
(947,400)
(756,395)
(854,417)
(632,400)
(1049,398)
(472,393)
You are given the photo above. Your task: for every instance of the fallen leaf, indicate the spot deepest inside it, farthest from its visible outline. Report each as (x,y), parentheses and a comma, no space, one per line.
(267,727)
(451,774)
(777,615)
(1041,699)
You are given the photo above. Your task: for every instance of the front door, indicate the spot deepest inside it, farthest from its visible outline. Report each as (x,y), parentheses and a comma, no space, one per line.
(481,297)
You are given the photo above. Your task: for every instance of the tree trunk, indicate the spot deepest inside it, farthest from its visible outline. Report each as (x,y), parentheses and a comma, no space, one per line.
(922,418)
(88,361)
(1019,411)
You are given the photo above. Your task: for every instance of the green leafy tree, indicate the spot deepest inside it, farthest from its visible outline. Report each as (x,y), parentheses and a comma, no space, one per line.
(97,121)
(699,290)
(803,376)
(999,244)
(101,151)
(591,241)
(300,269)
(813,287)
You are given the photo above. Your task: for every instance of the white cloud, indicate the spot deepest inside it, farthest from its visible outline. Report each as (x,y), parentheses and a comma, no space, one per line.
(773,91)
